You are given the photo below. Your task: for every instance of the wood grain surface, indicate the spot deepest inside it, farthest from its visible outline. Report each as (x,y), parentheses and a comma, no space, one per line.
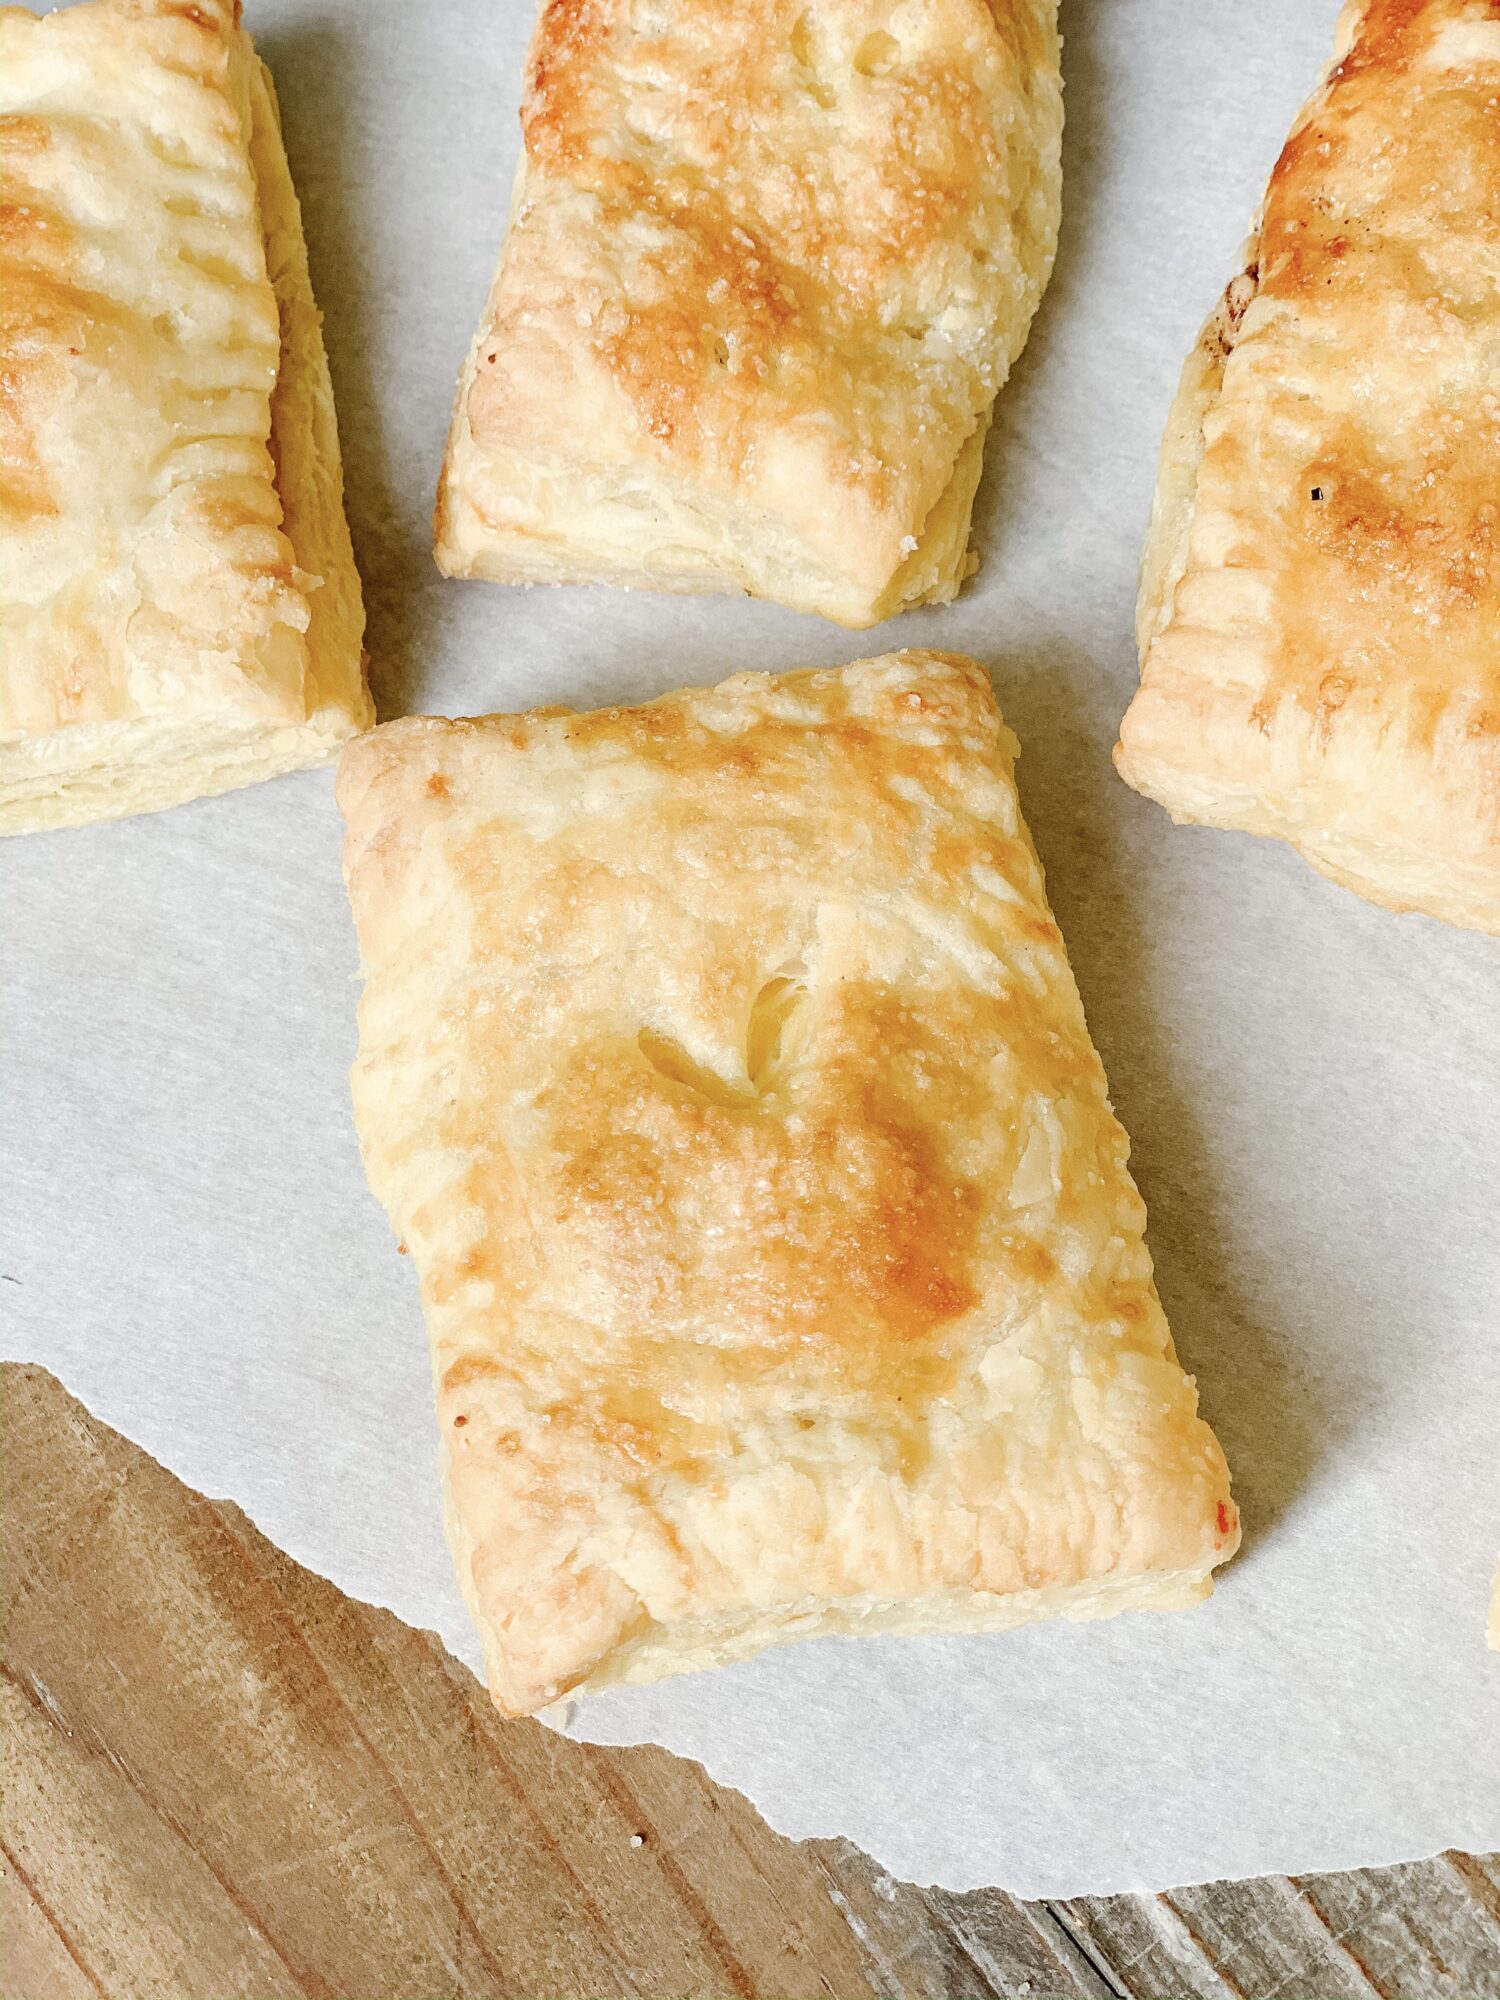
(226,1781)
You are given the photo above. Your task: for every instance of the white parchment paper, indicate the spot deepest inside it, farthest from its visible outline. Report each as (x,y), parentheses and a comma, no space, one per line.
(1313,1086)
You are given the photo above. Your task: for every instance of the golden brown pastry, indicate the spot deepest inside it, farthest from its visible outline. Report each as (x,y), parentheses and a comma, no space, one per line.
(768,266)
(179,609)
(721,1066)
(1320,601)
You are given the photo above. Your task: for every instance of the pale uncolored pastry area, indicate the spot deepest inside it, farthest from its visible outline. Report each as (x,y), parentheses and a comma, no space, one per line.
(179,607)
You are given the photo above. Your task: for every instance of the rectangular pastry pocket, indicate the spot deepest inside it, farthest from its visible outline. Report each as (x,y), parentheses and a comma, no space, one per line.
(721,1067)
(767,269)
(179,608)
(1319,618)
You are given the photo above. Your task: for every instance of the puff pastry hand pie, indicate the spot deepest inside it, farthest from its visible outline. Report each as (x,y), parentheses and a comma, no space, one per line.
(179,610)
(1320,603)
(721,1066)
(768,266)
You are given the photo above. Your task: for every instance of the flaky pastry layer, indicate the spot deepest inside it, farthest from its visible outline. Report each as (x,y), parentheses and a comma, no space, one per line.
(1320,602)
(721,1067)
(767,268)
(179,608)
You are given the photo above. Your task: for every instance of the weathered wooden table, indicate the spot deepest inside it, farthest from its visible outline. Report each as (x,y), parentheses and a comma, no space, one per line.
(224,1781)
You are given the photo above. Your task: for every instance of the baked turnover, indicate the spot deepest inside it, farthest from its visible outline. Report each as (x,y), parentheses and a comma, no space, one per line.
(768,266)
(179,610)
(721,1066)
(1320,600)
